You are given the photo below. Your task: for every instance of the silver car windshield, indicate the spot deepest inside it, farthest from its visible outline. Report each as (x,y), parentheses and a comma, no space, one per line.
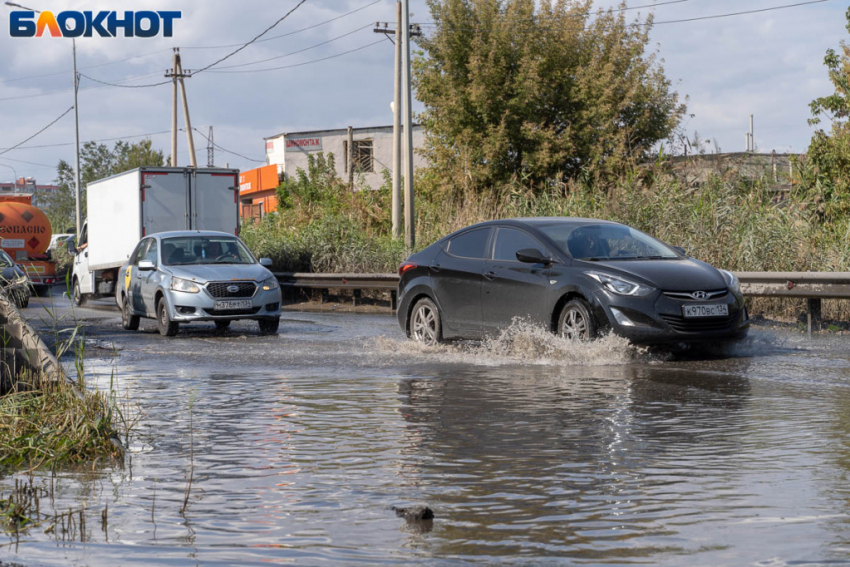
(607,242)
(194,250)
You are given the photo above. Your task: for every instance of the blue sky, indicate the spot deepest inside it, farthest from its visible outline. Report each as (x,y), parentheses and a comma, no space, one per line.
(768,64)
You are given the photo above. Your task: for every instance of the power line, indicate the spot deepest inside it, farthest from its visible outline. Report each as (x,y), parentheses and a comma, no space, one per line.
(95,141)
(37,133)
(293,32)
(228,151)
(27,162)
(288,34)
(268,29)
(48,93)
(654,23)
(304,63)
(299,51)
(126,86)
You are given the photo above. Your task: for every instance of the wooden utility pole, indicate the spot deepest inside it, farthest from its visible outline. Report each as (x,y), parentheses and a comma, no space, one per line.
(177,74)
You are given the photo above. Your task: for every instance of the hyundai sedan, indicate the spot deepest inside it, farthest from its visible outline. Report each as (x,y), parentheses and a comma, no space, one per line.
(577,277)
(186,276)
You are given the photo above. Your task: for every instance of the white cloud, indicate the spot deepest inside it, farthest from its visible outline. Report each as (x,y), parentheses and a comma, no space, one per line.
(767,64)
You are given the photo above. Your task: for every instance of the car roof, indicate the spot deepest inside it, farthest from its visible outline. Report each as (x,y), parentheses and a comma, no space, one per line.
(178,233)
(537,221)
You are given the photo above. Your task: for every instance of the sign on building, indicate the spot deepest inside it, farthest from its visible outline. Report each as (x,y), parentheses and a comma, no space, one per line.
(307,144)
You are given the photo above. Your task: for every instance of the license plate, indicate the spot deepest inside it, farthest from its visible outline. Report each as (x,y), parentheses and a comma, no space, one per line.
(705,310)
(232,305)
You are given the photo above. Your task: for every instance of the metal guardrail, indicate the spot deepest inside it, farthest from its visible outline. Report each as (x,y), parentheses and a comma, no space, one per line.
(806,285)
(812,286)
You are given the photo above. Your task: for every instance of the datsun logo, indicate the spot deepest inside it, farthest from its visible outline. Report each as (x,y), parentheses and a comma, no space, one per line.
(71,23)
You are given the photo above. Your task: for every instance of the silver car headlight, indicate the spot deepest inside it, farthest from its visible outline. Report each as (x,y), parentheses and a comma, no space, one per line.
(188,286)
(270,284)
(620,286)
(732,281)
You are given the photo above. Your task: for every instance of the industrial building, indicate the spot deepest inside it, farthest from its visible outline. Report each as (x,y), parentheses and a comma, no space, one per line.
(28,186)
(372,152)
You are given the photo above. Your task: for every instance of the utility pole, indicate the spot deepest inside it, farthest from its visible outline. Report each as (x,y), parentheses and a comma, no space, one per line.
(350,158)
(177,74)
(173,76)
(210,149)
(397,107)
(752,135)
(78,212)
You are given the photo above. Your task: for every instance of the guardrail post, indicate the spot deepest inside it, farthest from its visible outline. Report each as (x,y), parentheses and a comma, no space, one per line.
(813,313)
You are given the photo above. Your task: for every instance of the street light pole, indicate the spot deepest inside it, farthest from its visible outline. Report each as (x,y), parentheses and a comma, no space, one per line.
(76,127)
(16,176)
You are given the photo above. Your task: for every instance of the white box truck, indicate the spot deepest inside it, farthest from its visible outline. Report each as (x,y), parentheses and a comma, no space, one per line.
(124,208)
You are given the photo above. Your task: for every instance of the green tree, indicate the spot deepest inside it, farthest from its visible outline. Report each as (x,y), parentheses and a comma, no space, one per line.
(516,91)
(97,161)
(829,152)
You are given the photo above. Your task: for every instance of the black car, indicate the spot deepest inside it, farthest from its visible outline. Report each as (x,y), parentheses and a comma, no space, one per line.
(14,281)
(577,277)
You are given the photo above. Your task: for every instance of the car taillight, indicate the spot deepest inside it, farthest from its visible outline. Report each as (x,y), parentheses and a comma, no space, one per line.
(405,266)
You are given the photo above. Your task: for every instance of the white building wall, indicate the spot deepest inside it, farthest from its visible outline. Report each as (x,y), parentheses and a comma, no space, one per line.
(290,152)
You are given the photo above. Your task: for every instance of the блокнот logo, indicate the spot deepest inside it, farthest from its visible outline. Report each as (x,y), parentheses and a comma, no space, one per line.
(70,23)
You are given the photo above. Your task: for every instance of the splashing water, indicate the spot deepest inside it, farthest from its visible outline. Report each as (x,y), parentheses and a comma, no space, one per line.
(524,343)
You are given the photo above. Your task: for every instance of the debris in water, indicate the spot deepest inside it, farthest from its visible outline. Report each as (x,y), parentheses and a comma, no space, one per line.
(414,513)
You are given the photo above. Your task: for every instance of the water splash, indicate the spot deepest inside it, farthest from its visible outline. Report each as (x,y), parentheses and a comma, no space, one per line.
(523,343)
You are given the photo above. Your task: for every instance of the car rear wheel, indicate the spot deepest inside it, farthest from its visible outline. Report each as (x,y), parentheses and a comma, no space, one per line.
(425,323)
(575,321)
(269,326)
(167,327)
(129,321)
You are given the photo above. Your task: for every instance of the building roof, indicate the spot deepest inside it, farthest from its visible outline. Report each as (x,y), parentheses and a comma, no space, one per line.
(335,131)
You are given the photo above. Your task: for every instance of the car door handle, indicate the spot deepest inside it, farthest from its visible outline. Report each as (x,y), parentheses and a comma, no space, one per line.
(436,268)
(490,276)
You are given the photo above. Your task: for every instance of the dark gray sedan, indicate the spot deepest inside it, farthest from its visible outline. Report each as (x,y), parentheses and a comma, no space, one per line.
(577,277)
(186,276)
(14,280)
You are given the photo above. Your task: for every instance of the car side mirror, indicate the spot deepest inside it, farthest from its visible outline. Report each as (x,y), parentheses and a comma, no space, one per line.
(146,265)
(71,247)
(532,256)
(680,249)
(266,262)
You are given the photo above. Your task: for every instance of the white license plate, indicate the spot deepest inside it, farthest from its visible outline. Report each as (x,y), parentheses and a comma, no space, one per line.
(232,305)
(705,310)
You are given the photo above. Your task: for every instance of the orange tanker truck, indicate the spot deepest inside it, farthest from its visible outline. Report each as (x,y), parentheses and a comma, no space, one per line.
(25,236)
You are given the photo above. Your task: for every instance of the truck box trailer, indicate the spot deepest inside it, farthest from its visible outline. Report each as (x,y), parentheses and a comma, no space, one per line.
(124,208)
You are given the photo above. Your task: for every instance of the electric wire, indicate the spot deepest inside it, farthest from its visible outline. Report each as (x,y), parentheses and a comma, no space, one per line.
(225,150)
(268,29)
(305,62)
(37,133)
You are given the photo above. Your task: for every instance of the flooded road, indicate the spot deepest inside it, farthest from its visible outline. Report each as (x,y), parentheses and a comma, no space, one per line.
(530,451)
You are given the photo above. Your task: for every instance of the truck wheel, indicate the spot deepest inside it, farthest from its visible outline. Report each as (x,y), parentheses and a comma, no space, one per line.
(269,326)
(77,296)
(167,327)
(128,321)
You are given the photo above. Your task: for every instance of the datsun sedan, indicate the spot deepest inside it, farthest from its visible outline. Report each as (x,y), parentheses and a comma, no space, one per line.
(186,276)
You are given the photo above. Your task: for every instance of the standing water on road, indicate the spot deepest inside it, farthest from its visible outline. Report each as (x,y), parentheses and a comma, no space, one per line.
(528,450)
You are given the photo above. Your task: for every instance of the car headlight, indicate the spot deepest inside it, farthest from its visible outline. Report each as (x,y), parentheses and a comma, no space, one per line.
(270,284)
(732,281)
(188,286)
(620,286)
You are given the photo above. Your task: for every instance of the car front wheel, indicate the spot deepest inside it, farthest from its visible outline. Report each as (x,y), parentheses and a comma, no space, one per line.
(77,295)
(425,323)
(167,327)
(269,326)
(575,321)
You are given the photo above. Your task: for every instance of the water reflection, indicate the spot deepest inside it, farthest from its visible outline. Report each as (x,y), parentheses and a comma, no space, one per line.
(592,463)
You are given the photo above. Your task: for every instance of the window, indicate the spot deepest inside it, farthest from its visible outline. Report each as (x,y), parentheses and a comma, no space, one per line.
(150,255)
(607,241)
(186,250)
(362,156)
(139,252)
(509,241)
(472,244)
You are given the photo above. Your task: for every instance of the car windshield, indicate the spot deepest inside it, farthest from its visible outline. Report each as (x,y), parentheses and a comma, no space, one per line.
(595,242)
(188,250)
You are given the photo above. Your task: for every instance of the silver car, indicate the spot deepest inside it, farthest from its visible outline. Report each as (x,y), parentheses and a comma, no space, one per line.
(192,275)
